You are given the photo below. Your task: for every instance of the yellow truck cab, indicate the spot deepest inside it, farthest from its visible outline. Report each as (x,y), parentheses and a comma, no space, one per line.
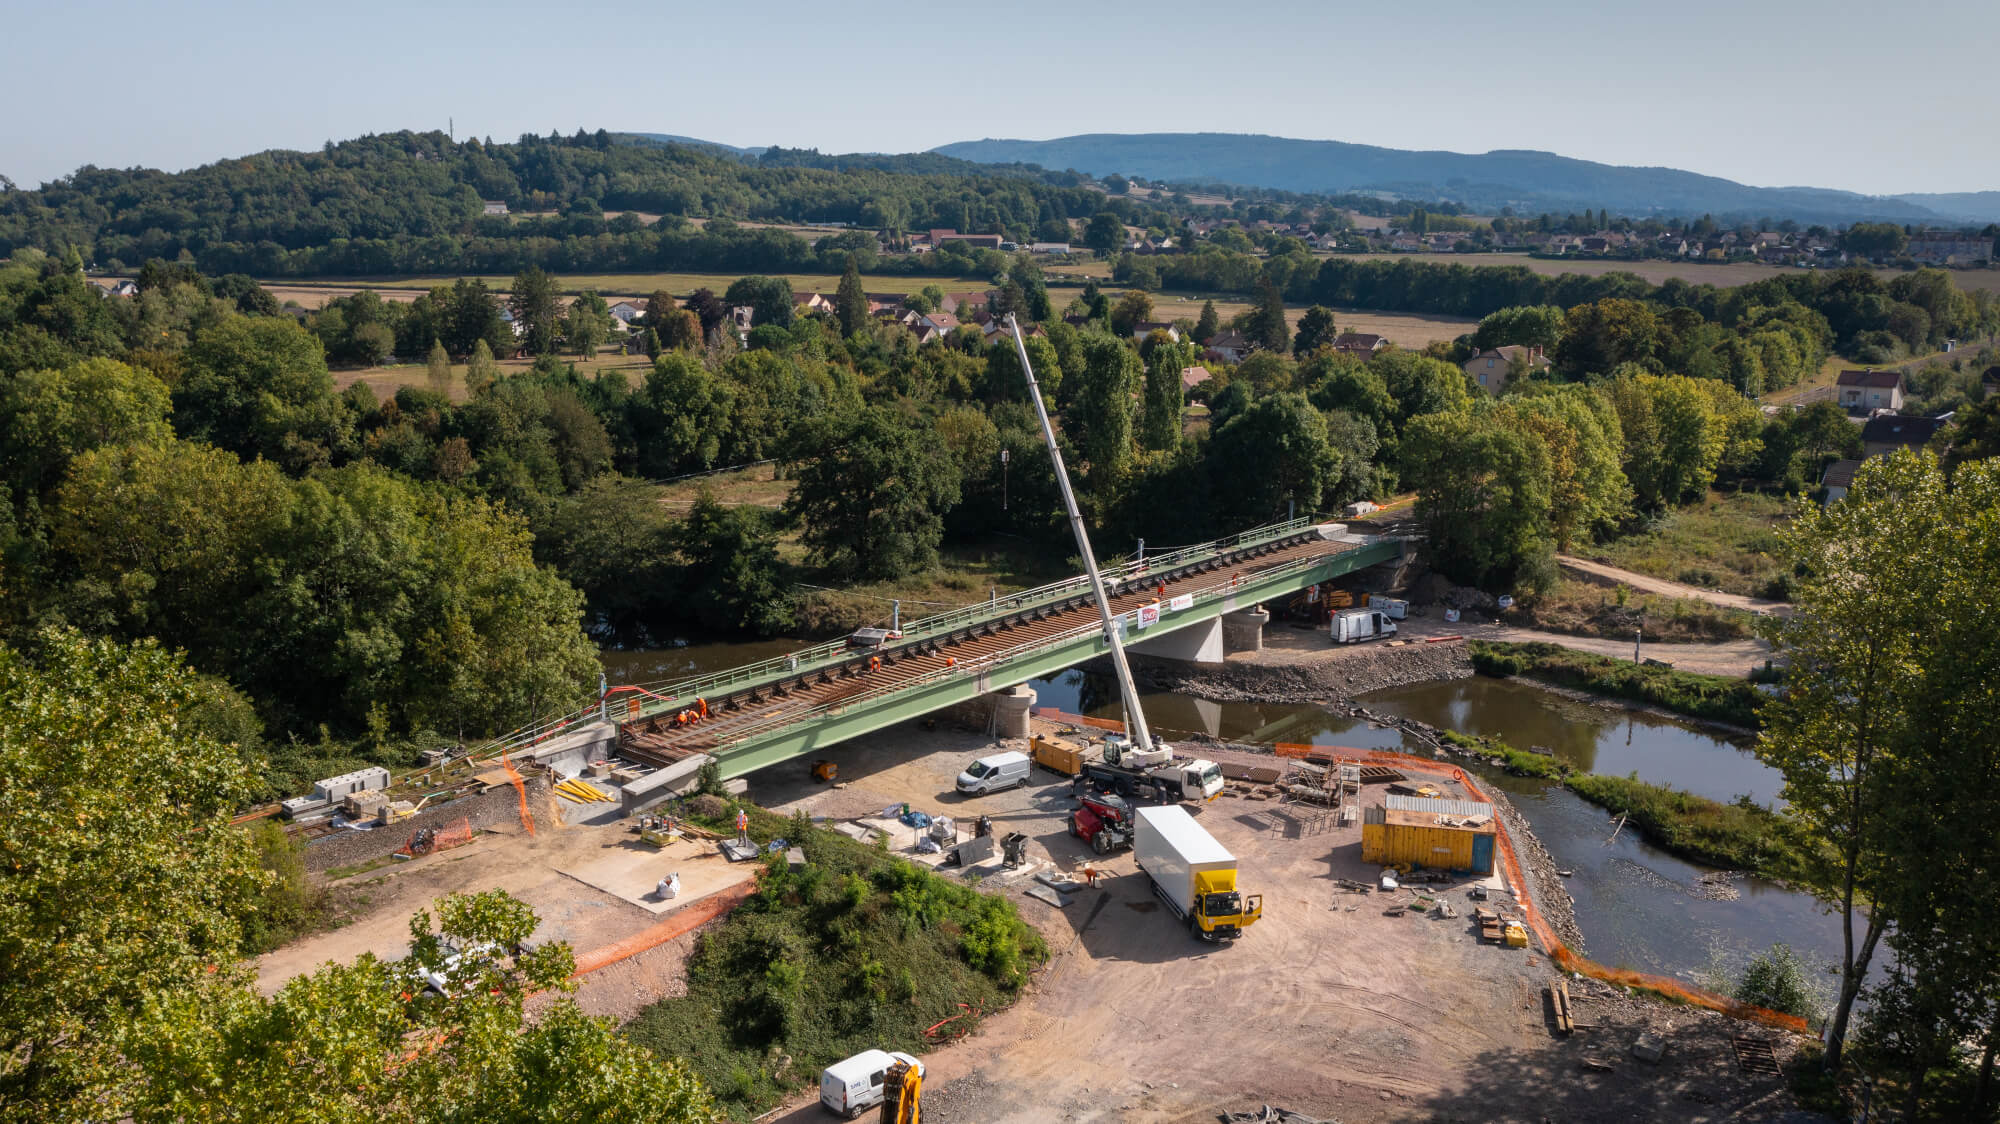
(1193,874)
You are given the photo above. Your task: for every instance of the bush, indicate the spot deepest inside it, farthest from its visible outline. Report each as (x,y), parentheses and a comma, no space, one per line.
(291,906)
(1779,981)
(1742,835)
(1716,698)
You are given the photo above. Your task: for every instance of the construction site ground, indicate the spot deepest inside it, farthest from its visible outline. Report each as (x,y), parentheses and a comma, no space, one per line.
(1326,1006)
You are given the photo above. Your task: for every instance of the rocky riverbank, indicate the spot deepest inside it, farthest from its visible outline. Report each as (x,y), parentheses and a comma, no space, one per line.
(1319,676)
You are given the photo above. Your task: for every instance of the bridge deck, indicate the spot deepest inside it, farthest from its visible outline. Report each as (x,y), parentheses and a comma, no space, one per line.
(659,740)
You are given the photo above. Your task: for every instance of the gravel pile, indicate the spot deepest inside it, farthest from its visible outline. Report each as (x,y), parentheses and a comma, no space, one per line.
(961,1102)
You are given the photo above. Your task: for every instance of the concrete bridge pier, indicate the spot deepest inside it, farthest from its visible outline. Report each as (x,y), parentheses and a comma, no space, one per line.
(1243,630)
(1010,711)
(1197,643)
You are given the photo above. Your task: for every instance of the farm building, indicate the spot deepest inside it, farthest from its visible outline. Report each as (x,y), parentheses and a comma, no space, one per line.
(1439,834)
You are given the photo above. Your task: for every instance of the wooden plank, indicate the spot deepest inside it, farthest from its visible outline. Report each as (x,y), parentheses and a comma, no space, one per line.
(1559,998)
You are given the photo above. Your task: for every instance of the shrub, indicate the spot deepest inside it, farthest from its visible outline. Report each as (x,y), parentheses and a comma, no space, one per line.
(1717,698)
(1779,981)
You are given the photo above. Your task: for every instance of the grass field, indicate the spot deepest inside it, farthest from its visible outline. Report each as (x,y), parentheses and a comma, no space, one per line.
(313,294)
(1726,542)
(1585,609)
(1719,274)
(386,380)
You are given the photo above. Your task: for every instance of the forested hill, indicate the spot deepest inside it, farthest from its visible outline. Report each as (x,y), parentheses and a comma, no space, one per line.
(415,203)
(1527,181)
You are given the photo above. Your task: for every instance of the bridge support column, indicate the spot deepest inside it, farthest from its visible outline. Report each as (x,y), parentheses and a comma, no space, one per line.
(1010,711)
(1197,643)
(1243,630)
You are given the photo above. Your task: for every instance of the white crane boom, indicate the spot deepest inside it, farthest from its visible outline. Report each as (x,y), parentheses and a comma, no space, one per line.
(1135,717)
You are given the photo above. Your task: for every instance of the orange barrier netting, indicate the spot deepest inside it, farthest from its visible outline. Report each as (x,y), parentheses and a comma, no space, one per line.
(1563,957)
(443,839)
(520,790)
(683,920)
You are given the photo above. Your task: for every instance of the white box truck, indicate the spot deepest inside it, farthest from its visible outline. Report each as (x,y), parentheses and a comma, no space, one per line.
(1352,626)
(1193,874)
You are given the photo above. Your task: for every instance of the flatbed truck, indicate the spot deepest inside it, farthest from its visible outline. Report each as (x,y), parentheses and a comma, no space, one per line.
(1193,874)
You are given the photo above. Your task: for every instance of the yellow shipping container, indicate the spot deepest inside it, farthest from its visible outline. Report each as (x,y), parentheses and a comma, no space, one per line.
(1399,838)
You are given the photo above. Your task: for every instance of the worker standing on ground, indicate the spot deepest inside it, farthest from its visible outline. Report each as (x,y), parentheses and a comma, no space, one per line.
(743,827)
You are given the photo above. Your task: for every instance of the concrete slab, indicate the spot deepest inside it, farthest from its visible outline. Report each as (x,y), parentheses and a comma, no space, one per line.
(1043,893)
(632,870)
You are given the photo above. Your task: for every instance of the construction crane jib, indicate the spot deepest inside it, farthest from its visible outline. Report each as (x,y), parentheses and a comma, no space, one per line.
(1135,718)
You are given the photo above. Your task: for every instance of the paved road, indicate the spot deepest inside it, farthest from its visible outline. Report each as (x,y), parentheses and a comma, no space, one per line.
(1604,574)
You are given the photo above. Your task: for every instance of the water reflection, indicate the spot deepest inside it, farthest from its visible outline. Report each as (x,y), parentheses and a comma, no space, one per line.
(649,665)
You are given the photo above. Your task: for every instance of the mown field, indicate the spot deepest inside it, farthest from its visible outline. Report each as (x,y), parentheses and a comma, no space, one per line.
(1719,274)
(1727,542)
(605,284)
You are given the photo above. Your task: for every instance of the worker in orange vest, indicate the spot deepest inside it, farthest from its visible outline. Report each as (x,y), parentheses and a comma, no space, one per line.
(701,707)
(874,663)
(951,661)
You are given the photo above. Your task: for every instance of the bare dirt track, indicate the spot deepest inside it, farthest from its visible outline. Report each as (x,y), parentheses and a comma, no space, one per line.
(1612,575)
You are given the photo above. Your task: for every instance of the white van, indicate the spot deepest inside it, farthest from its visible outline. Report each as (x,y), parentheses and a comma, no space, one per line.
(852,1087)
(993,773)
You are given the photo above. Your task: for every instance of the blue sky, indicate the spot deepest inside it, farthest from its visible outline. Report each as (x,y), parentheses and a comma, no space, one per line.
(1827,93)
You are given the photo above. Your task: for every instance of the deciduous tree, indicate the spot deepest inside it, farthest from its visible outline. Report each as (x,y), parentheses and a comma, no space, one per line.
(872,489)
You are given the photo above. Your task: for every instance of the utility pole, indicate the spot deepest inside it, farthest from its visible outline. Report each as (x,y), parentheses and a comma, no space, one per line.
(1142,550)
(1005,456)
(1636,633)
(1135,718)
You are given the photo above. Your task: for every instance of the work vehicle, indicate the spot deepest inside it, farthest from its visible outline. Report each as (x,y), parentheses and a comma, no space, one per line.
(1102,820)
(1352,626)
(1193,874)
(853,1085)
(1161,777)
(993,773)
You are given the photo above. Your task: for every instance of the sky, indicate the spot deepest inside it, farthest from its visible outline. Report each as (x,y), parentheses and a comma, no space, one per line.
(1824,93)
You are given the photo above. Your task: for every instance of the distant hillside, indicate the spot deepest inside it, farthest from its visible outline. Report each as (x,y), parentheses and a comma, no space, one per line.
(672,138)
(1966,206)
(1524,180)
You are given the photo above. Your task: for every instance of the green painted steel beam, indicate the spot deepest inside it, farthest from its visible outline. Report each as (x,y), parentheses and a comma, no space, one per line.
(823,730)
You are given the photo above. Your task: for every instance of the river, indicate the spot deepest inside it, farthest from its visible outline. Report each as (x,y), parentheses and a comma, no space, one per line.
(1634,902)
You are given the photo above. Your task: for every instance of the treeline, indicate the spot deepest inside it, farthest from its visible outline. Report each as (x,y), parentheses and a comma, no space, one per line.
(414,203)
(1864,315)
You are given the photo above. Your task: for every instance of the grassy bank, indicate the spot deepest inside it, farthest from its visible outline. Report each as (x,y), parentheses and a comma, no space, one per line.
(1716,698)
(1585,609)
(1741,836)
(859,950)
(1728,542)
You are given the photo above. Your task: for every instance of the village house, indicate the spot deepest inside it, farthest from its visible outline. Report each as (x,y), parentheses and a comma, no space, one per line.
(1863,391)
(1885,433)
(961,304)
(1490,368)
(1230,347)
(987,241)
(1048,247)
(627,311)
(804,303)
(1192,377)
(1361,345)
(1838,478)
(1144,328)
(1948,247)
(493,207)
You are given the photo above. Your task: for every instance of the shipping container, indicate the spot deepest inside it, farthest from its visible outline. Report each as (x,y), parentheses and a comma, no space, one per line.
(1436,840)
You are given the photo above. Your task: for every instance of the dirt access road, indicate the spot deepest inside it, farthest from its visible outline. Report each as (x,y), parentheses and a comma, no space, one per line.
(1602,574)
(1325,1006)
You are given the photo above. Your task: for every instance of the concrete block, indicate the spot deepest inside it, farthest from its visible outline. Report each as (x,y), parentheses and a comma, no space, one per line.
(1648,1049)
(795,858)
(364,805)
(660,784)
(360,780)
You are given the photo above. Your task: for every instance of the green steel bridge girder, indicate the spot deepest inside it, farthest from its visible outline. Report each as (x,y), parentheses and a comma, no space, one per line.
(822,731)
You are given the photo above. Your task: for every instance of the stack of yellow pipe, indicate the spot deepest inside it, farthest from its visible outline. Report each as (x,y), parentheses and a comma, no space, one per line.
(581,791)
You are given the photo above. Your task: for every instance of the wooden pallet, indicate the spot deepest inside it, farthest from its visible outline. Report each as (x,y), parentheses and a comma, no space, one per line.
(1559,999)
(1754,1055)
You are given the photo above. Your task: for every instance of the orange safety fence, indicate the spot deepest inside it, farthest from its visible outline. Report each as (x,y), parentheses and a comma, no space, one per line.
(683,920)
(441,839)
(520,790)
(1563,957)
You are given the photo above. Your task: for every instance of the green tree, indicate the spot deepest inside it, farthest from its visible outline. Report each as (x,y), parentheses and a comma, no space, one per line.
(1132,309)
(1579,429)
(1529,325)
(537,310)
(383,1046)
(1874,711)
(1099,418)
(1483,494)
(125,880)
(1316,330)
(1160,423)
(253,383)
(437,371)
(1874,239)
(733,580)
(659,307)
(1277,455)
(49,418)
(1421,385)
(1264,325)
(1105,232)
(1210,324)
(1600,337)
(1674,439)
(586,324)
(769,298)
(481,371)
(850,302)
(615,544)
(872,489)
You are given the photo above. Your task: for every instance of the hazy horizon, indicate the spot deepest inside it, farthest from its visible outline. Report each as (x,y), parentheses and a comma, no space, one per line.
(1790,94)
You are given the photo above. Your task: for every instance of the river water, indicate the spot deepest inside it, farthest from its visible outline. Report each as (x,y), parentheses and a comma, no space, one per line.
(1635,903)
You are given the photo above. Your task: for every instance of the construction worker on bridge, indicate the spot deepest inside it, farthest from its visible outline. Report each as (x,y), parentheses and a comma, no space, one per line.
(701,708)
(874,663)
